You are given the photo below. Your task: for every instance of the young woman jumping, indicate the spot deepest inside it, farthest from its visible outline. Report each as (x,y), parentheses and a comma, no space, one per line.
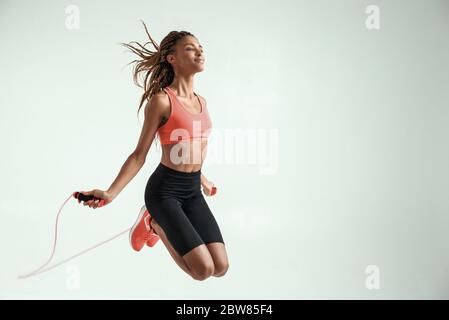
(175,210)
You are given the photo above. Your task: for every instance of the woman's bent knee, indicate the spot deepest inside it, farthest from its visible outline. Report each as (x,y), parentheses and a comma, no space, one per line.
(203,271)
(221,270)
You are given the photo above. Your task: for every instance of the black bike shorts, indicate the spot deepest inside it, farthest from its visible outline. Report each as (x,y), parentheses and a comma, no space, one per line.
(175,201)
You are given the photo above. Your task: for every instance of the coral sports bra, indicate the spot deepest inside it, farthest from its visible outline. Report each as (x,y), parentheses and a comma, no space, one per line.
(183,125)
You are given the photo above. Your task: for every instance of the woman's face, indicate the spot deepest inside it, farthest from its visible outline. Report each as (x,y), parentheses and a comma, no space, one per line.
(189,55)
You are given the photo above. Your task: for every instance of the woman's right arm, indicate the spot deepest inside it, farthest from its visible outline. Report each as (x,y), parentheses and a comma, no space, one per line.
(154,111)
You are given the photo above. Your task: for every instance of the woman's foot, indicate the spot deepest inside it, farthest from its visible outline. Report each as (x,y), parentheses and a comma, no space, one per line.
(142,232)
(153,238)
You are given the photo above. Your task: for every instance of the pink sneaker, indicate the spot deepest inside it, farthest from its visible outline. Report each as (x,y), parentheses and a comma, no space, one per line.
(142,232)
(153,237)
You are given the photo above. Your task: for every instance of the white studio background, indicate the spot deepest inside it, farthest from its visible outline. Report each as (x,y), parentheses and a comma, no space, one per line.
(336,185)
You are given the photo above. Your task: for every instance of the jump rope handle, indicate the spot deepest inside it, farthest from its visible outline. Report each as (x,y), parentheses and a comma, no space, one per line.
(83,197)
(213,190)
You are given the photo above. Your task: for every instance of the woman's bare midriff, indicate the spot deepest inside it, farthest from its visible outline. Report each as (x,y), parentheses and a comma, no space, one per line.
(185,156)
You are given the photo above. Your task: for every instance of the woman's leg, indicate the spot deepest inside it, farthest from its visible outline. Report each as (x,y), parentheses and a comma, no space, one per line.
(202,219)
(180,238)
(165,193)
(178,259)
(218,252)
(195,258)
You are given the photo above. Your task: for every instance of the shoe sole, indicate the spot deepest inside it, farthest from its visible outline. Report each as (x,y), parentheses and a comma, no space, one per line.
(142,212)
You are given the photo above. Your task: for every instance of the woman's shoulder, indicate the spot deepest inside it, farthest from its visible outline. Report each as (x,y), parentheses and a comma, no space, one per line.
(160,102)
(160,97)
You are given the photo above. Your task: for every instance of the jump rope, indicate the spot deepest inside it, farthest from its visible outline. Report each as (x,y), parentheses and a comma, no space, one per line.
(80,197)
